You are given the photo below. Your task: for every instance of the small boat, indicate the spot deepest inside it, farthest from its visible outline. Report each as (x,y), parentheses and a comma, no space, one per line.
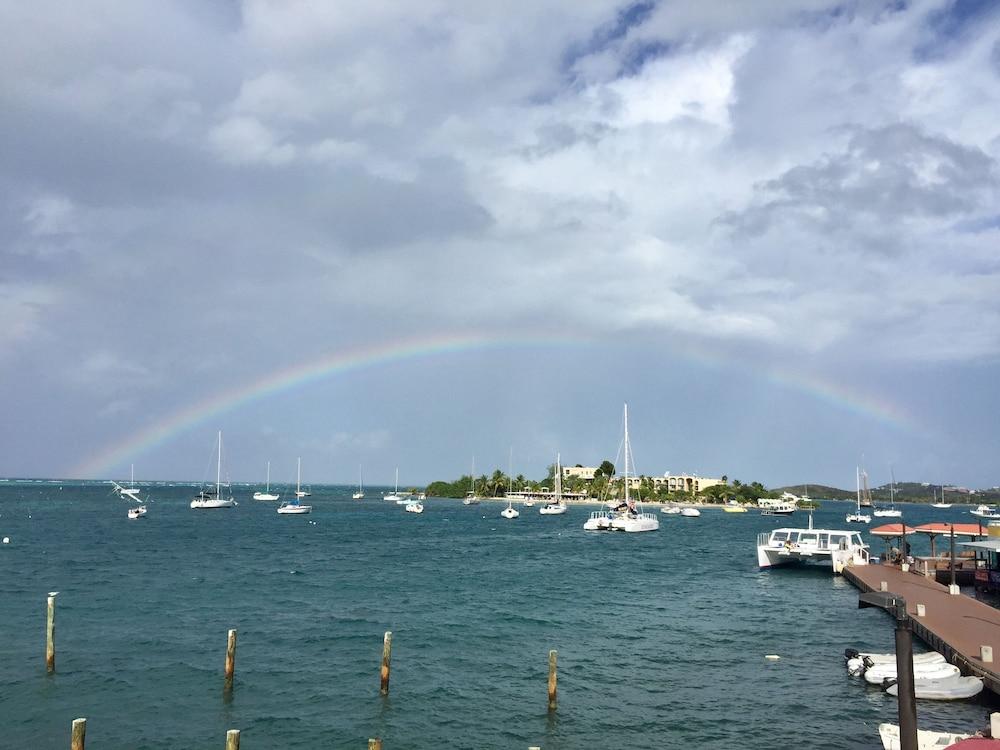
(778,509)
(559,506)
(293,507)
(946,689)
(941,505)
(528,502)
(414,507)
(670,510)
(690,512)
(985,511)
(937,504)
(510,511)
(733,507)
(360,494)
(266,494)
(211,498)
(927,739)
(879,673)
(137,512)
(853,656)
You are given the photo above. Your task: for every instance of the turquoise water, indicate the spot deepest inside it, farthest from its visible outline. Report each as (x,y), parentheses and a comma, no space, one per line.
(661,636)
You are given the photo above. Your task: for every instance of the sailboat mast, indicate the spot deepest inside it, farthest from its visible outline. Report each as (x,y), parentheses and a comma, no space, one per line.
(857,476)
(298,476)
(218,469)
(626,454)
(558,478)
(268,487)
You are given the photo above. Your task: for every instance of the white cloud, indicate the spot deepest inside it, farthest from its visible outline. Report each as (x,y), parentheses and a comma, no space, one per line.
(244,140)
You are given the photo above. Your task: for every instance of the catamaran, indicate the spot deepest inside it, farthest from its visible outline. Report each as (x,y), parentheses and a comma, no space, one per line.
(293,507)
(266,494)
(858,516)
(836,547)
(211,498)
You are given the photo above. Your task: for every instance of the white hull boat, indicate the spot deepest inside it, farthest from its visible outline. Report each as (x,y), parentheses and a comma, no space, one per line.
(558,507)
(213,500)
(856,659)
(552,509)
(858,516)
(985,511)
(941,505)
(293,507)
(600,520)
(635,523)
(887,513)
(629,515)
(137,512)
(414,507)
(671,510)
(837,548)
(942,670)
(266,494)
(360,494)
(690,512)
(510,512)
(947,689)
(926,739)
(394,496)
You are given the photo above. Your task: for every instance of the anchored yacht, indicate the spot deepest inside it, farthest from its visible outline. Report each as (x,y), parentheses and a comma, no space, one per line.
(837,548)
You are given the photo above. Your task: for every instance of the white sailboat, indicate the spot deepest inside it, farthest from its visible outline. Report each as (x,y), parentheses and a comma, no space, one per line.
(941,504)
(211,498)
(293,507)
(471,498)
(510,512)
(131,492)
(631,518)
(266,494)
(558,507)
(891,511)
(360,494)
(858,516)
(394,496)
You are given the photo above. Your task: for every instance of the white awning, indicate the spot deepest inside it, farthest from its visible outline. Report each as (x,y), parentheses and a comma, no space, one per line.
(990,545)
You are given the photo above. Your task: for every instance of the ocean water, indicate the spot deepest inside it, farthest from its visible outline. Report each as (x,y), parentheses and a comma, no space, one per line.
(661,636)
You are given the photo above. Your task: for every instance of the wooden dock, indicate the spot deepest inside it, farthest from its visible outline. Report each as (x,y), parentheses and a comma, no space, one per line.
(957,626)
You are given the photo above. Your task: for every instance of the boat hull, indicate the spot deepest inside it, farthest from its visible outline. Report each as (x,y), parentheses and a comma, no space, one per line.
(635,524)
(212,504)
(265,496)
(552,510)
(294,510)
(949,689)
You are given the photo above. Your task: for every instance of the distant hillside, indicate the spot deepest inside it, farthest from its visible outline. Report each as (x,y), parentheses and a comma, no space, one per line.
(906,492)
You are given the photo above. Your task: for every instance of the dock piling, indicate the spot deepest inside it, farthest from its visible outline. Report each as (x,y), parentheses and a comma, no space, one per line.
(233,739)
(552,679)
(230,659)
(386,658)
(79,737)
(50,635)
(986,654)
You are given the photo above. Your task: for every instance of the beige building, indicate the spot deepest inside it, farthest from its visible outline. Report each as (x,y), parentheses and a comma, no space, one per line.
(685,482)
(585,473)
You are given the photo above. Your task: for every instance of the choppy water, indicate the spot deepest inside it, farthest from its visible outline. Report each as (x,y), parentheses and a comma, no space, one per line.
(661,636)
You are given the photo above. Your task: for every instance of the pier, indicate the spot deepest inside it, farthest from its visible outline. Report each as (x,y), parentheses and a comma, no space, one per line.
(965,631)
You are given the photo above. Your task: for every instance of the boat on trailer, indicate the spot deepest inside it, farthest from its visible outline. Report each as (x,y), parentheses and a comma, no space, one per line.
(837,548)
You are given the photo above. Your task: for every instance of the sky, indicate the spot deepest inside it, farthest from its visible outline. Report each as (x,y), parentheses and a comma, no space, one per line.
(379,234)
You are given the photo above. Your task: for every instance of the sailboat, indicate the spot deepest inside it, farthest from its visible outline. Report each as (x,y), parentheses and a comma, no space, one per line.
(510,511)
(891,511)
(858,516)
(360,494)
(211,498)
(394,495)
(941,504)
(266,494)
(131,492)
(631,517)
(559,506)
(471,498)
(293,507)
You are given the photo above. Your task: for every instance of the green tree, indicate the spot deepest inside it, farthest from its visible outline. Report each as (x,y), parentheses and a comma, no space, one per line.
(606,468)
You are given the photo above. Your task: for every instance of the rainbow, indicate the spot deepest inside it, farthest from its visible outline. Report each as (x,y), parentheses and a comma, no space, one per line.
(119,454)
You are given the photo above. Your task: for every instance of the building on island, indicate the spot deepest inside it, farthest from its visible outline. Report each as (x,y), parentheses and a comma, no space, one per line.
(672,482)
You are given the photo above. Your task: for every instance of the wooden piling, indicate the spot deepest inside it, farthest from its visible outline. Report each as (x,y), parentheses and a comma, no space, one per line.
(552,680)
(50,635)
(230,659)
(374,743)
(386,658)
(79,738)
(233,735)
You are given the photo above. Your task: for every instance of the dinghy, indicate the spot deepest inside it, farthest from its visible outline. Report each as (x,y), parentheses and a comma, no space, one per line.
(926,739)
(942,670)
(931,657)
(948,689)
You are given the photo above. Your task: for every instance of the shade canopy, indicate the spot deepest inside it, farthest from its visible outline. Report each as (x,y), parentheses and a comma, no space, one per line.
(891,529)
(961,529)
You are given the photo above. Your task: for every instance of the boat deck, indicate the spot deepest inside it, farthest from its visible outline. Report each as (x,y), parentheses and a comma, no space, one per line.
(956,626)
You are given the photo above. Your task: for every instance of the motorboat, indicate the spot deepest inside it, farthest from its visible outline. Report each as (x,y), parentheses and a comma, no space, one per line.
(138,511)
(414,507)
(734,507)
(985,511)
(945,689)
(778,509)
(690,512)
(294,507)
(927,739)
(857,661)
(837,548)
(876,675)
(670,510)
(211,498)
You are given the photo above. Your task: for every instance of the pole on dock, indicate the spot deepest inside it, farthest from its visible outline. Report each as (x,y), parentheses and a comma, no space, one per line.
(233,739)
(374,743)
(50,635)
(386,658)
(952,555)
(230,659)
(896,606)
(552,679)
(79,737)
(905,548)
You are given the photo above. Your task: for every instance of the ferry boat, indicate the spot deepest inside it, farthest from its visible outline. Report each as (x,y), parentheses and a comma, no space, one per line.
(835,547)
(775,507)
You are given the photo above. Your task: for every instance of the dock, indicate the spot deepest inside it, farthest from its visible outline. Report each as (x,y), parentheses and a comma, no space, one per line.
(956,626)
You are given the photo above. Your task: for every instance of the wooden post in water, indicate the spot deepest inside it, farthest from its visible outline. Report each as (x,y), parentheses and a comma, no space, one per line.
(79,738)
(230,659)
(50,636)
(374,743)
(386,657)
(233,739)
(552,679)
